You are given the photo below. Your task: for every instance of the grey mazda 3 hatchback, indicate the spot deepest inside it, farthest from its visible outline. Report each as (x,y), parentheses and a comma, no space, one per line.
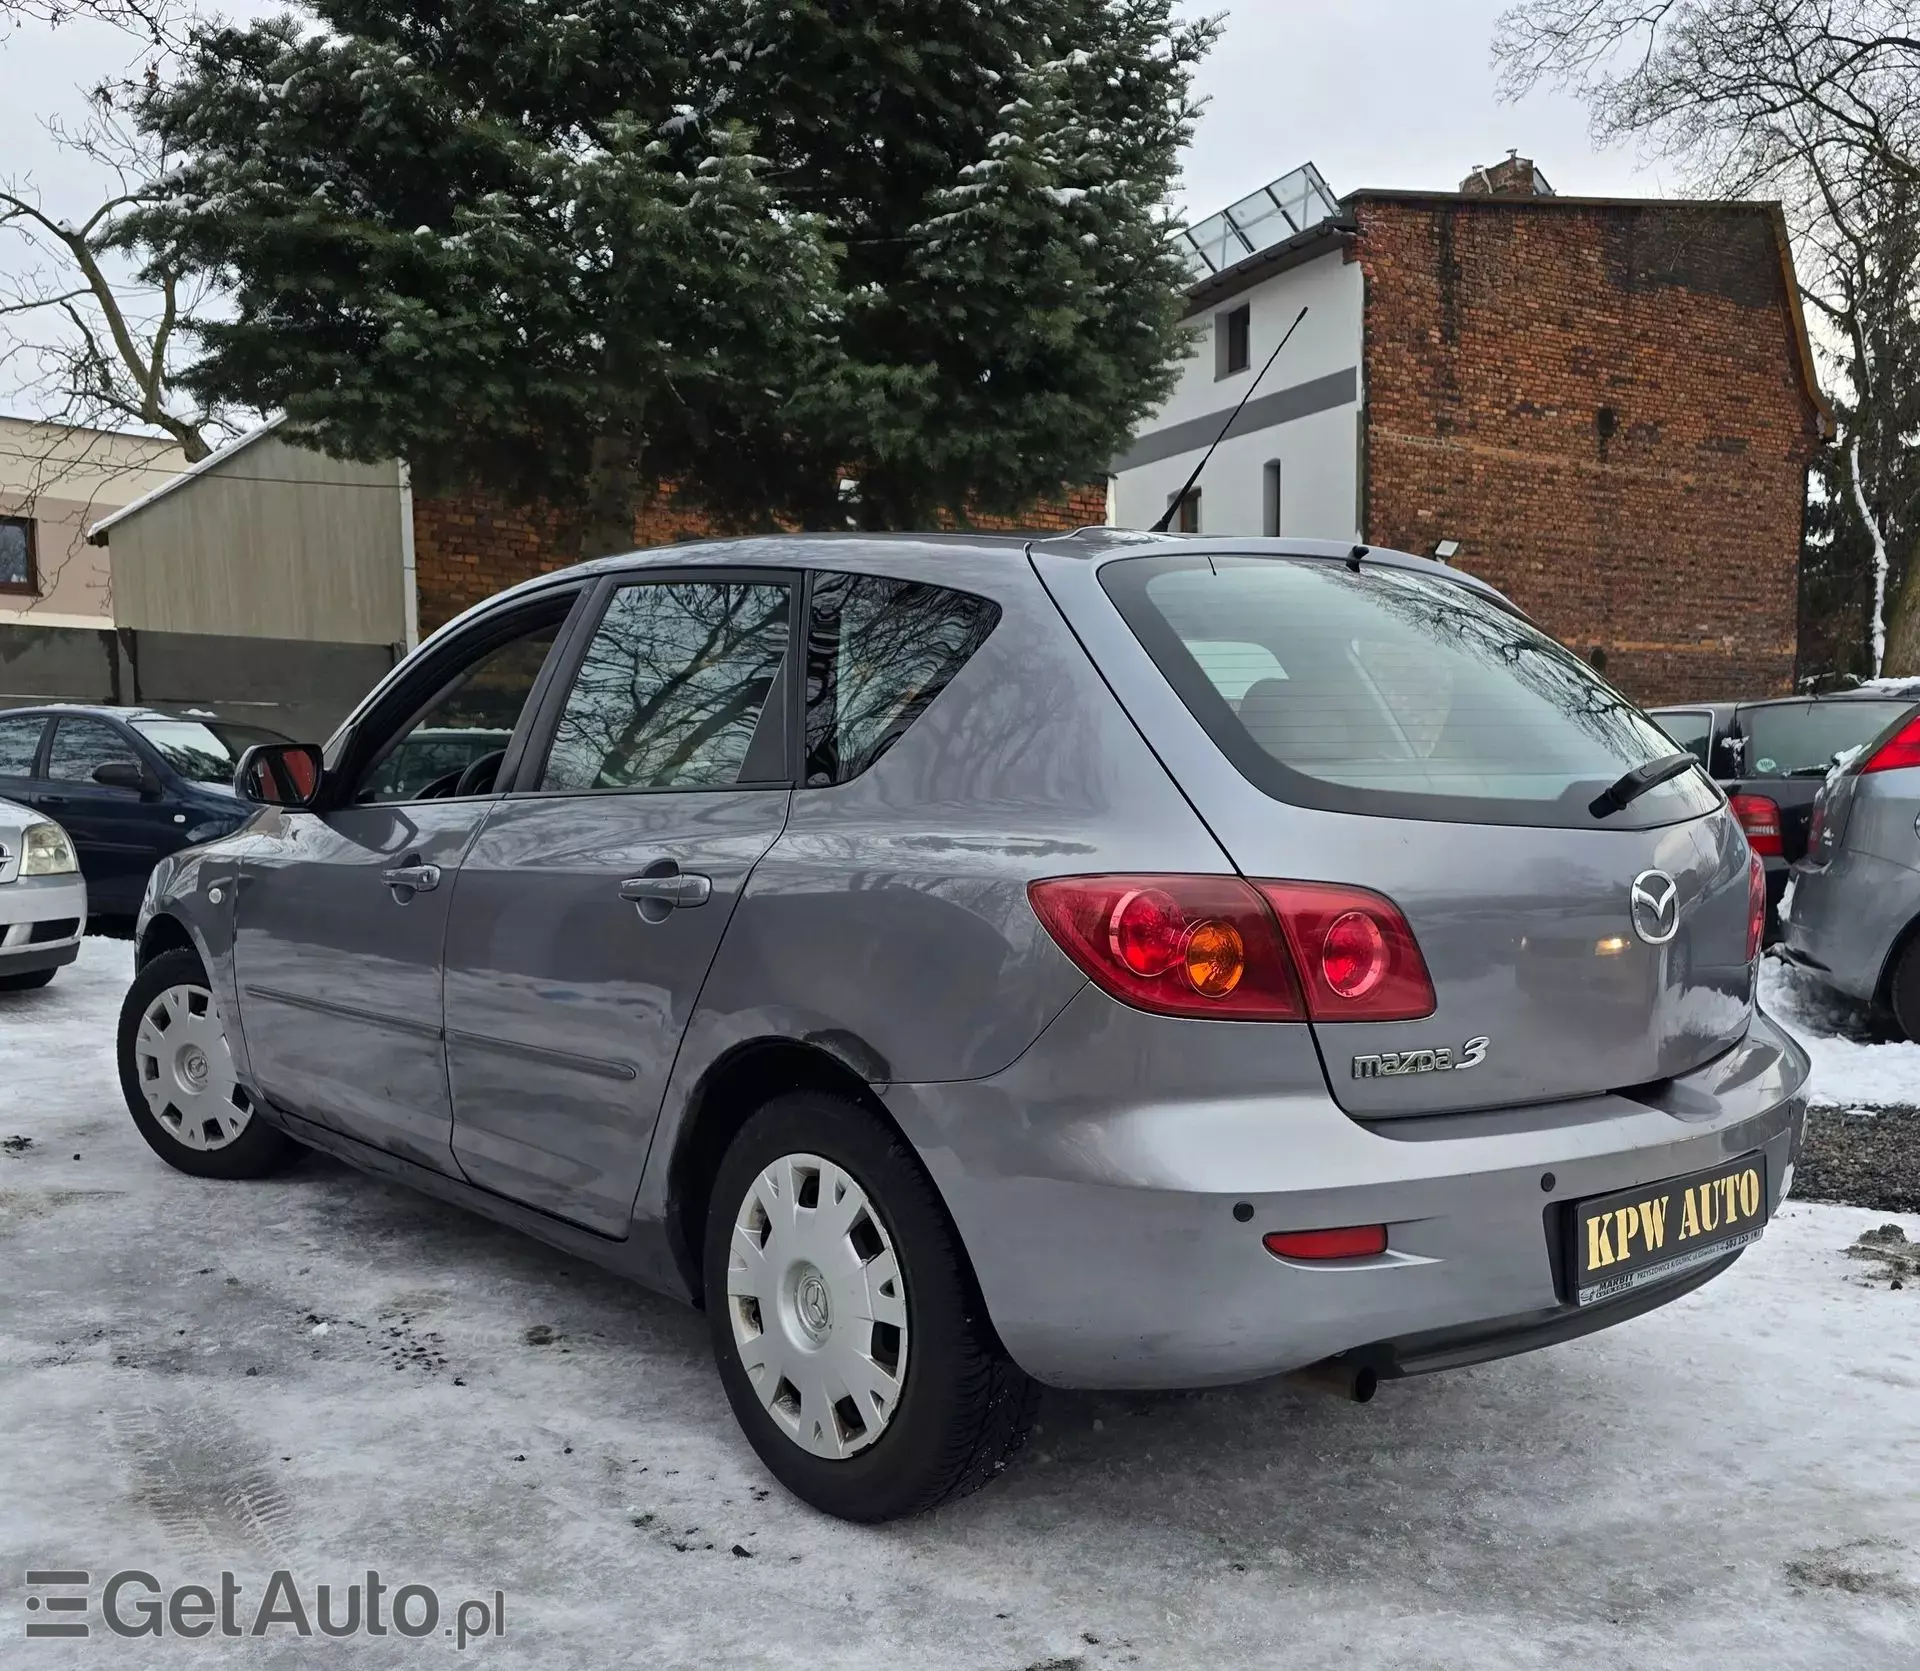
(1113,961)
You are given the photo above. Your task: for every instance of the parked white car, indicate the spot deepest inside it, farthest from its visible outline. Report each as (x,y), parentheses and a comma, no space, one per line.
(43,898)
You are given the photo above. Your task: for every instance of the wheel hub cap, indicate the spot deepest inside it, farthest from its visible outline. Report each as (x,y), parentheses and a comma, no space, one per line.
(813,1302)
(185,1069)
(818,1308)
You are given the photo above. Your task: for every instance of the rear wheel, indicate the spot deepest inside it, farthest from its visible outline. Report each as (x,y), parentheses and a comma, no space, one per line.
(31,981)
(176,1072)
(854,1352)
(1903,991)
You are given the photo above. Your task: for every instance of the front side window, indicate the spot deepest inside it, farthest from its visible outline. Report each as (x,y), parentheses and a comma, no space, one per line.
(878,652)
(17,569)
(80,746)
(476,711)
(1397,694)
(202,753)
(19,743)
(679,689)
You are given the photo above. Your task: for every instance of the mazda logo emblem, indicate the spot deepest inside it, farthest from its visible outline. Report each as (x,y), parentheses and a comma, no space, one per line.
(1654,906)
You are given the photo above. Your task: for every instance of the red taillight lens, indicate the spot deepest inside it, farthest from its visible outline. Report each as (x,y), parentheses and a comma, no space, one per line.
(1357,956)
(1358,1241)
(1353,957)
(1901,749)
(1756,905)
(1760,818)
(1146,931)
(1175,945)
(1210,946)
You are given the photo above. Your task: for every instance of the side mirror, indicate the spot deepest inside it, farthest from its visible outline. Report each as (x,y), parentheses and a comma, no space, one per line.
(121,774)
(279,774)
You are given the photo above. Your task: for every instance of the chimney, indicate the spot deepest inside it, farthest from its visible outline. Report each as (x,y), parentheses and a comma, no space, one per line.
(1515,177)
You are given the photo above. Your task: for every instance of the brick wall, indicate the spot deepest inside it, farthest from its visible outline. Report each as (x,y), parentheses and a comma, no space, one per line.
(466,549)
(1605,405)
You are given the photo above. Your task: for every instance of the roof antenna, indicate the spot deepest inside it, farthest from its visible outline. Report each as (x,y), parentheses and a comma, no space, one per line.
(1180,498)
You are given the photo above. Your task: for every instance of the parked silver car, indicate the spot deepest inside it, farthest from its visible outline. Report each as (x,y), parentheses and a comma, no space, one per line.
(43,899)
(1852,915)
(1112,961)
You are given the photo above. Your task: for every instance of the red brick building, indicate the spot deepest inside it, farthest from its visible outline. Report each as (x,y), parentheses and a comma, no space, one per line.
(1606,407)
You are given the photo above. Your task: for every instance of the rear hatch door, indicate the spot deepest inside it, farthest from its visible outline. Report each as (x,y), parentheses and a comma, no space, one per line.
(1392,728)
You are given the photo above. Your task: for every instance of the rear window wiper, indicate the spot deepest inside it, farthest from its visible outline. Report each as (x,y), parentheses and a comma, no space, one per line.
(1632,785)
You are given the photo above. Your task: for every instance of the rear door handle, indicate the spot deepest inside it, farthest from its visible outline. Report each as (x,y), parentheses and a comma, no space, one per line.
(682,889)
(419,879)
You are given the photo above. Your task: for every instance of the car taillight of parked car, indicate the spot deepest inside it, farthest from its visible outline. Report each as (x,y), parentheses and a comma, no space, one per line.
(1221,948)
(1901,749)
(1756,905)
(1760,818)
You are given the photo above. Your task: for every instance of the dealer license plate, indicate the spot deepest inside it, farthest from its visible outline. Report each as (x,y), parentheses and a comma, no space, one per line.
(1636,1236)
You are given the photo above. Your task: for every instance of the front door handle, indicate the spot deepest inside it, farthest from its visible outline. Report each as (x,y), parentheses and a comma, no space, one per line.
(681,889)
(414,879)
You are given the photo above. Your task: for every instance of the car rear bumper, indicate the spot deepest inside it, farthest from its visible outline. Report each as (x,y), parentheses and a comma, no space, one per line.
(42,919)
(1111,1234)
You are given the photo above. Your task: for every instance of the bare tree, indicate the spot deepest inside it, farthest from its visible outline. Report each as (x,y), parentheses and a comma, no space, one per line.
(1816,102)
(109,361)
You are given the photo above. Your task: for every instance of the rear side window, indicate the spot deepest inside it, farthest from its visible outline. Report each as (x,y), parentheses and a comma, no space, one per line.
(878,651)
(1391,693)
(19,743)
(1800,739)
(678,691)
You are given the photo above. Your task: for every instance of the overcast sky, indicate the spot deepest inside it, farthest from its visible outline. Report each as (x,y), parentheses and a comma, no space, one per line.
(1376,92)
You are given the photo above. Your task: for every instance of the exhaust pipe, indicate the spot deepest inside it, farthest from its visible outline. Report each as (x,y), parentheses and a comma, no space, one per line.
(1355,1381)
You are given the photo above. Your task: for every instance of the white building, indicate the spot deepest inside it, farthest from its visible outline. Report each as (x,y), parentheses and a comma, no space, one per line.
(1291,464)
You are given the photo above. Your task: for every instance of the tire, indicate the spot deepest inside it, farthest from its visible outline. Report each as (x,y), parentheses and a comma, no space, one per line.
(960,1408)
(31,981)
(196,1118)
(1903,990)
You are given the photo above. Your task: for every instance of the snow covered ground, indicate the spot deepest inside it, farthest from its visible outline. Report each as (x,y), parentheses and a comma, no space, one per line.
(326,1373)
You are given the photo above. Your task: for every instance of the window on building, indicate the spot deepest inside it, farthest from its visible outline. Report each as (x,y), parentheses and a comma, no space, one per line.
(1186,520)
(1232,340)
(1270,500)
(878,652)
(18,571)
(680,689)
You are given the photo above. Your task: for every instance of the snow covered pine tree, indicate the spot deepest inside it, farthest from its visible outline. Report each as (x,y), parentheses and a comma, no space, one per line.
(752,249)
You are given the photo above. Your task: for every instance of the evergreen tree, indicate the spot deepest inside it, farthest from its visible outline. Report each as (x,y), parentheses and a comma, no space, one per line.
(750,248)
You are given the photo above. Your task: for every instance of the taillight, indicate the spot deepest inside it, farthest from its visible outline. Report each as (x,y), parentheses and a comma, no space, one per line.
(1358,957)
(1175,945)
(1760,818)
(1756,905)
(1901,749)
(1219,947)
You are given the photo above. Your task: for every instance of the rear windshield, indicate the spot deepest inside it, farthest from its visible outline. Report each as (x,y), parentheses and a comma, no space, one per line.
(1392,693)
(1800,739)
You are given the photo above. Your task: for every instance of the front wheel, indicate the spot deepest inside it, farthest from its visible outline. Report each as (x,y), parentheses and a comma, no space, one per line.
(853,1349)
(176,1072)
